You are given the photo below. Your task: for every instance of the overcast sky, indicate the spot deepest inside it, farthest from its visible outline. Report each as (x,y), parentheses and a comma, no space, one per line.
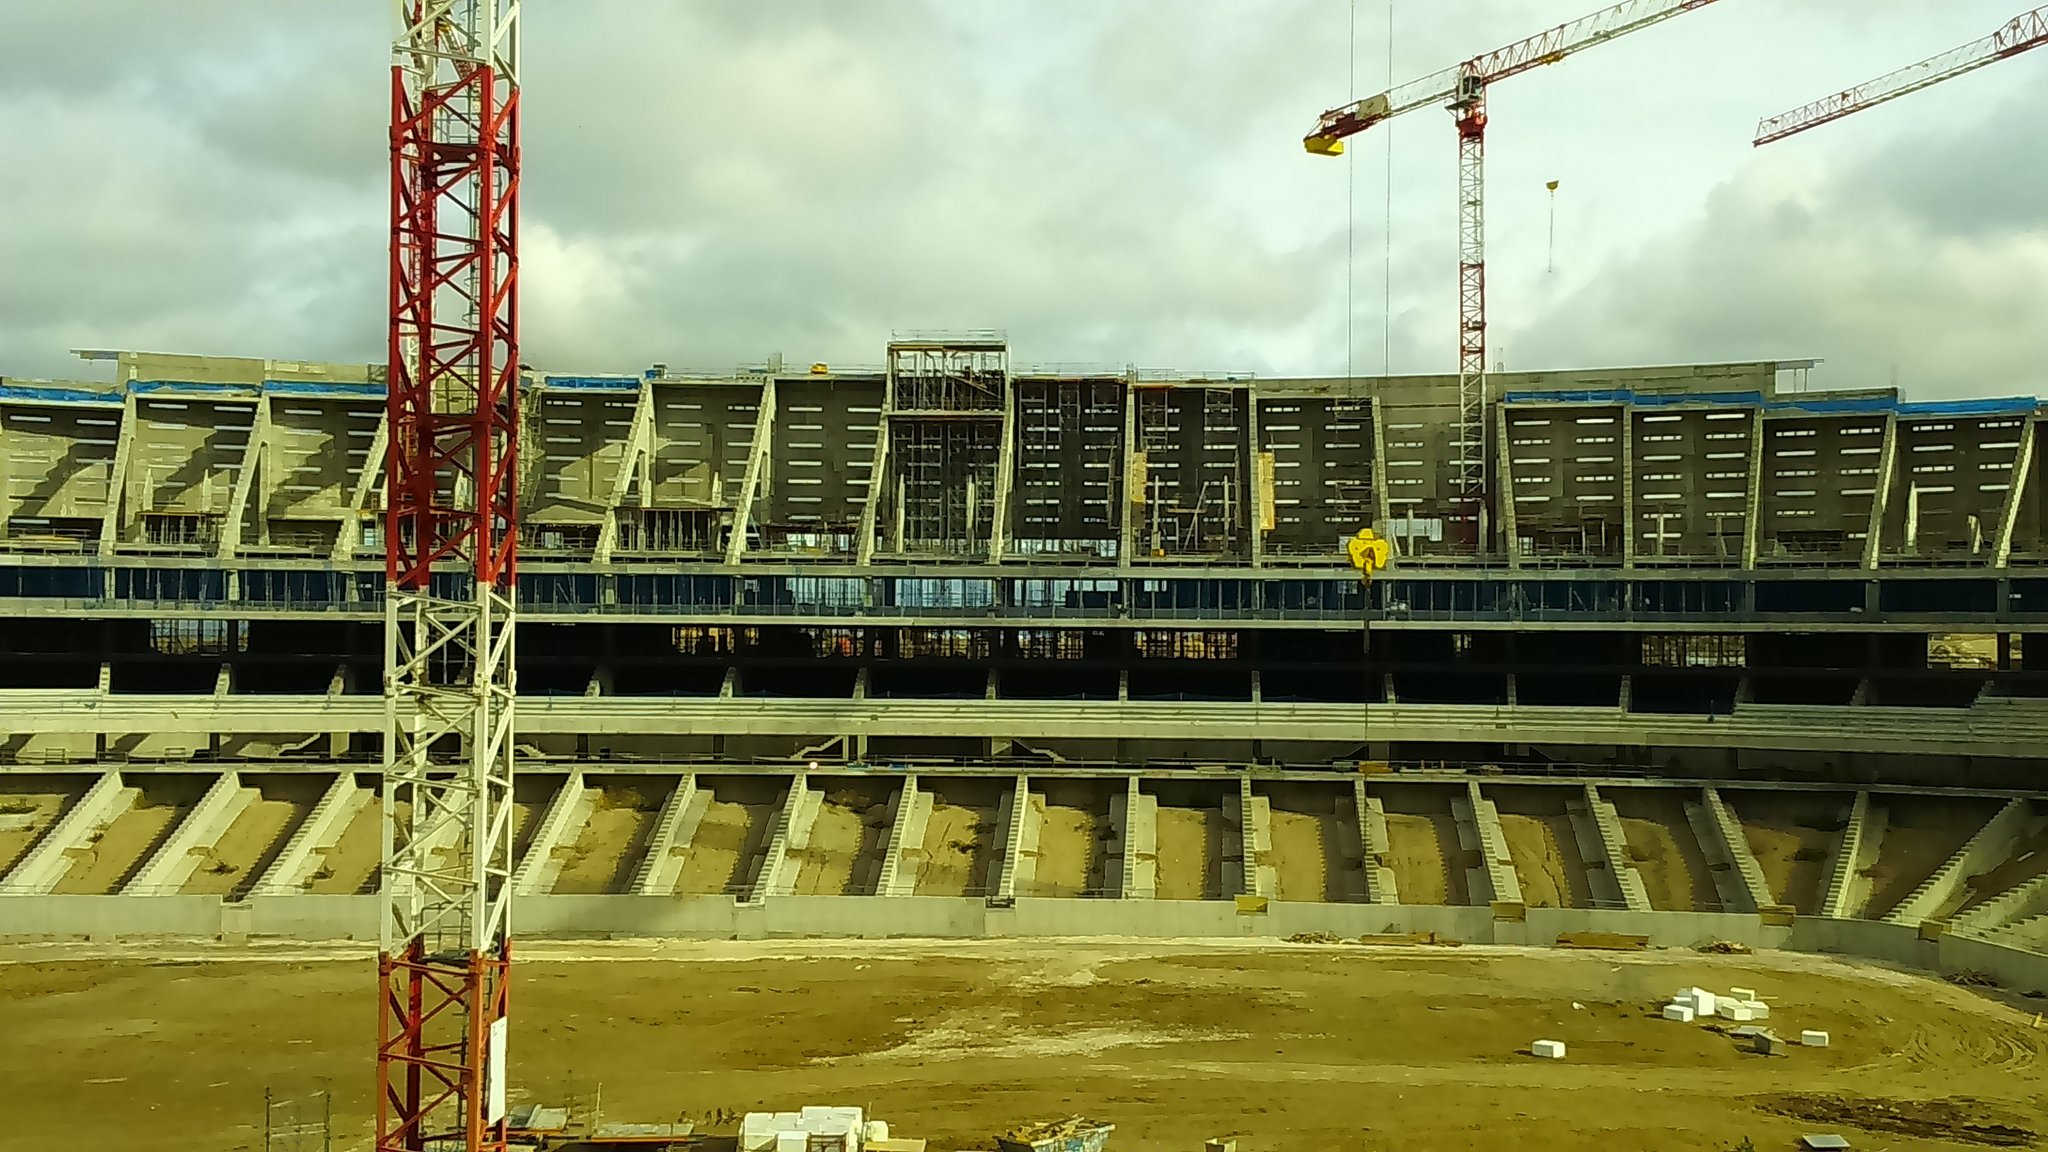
(708,182)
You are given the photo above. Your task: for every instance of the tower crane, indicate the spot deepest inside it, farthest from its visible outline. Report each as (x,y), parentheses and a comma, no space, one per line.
(2021,33)
(1462,89)
(451,546)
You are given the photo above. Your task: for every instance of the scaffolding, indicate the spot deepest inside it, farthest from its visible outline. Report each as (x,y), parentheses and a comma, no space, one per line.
(947,416)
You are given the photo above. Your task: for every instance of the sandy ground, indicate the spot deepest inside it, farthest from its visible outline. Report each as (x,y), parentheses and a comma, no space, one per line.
(107,862)
(847,842)
(1663,848)
(28,806)
(1190,852)
(1289,1048)
(1073,832)
(612,842)
(238,858)
(1547,861)
(1791,834)
(347,867)
(1421,847)
(1920,834)
(959,846)
(736,824)
(1304,846)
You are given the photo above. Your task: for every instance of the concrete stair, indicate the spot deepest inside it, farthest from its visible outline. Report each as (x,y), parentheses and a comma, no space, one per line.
(1134,854)
(1604,845)
(1019,837)
(47,863)
(792,834)
(1479,822)
(2021,902)
(1380,885)
(674,827)
(180,854)
(1943,890)
(305,851)
(898,876)
(1836,895)
(566,814)
(1725,830)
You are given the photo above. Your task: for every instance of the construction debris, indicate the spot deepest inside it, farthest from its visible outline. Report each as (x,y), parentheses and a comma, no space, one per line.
(1073,1134)
(1603,941)
(1724,948)
(1959,1120)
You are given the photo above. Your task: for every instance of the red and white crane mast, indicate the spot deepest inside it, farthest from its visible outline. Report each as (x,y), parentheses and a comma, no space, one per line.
(451,532)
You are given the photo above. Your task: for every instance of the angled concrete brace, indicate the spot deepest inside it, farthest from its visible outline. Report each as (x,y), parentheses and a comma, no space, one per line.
(757,464)
(906,836)
(633,461)
(878,469)
(1844,861)
(245,478)
(792,821)
(1753,519)
(294,866)
(117,478)
(47,863)
(1734,848)
(178,856)
(1380,884)
(567,811)
(674,828)
(2016,486)
(1006,466)
(1510,528)
(1881,492)
(372,476)
(1979,853)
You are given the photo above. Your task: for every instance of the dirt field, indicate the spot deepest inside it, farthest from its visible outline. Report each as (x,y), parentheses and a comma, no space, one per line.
(1664,850)
(1073,837)
(1422,838)
(960,837)
(1920,834)
(1543,846)
(738,812)
(238,858)
(1315,843)
(1791,834)
(1289,1048)
(611,843)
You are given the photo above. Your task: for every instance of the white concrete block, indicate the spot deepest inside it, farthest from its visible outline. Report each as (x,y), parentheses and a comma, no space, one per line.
(1736,1011)
(1682,1013)
(758,1129)
(1742,993)
(1758,1010)
(874,1130)
(1703,1002)
(1548,1049)
(794,1140)
(1813,1039)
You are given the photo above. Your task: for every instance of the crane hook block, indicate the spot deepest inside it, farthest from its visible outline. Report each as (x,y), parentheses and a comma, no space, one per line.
(1369,553)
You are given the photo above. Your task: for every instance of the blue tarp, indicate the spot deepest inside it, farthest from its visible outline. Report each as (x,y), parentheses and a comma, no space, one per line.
(1818,404)
(43,394)
(593,383)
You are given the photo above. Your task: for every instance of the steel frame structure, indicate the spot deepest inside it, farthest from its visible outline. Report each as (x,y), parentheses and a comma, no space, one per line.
(1462,89)
(2020,34)
(451,532)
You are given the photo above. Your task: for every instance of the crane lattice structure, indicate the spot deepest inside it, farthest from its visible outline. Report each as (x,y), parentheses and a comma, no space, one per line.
(2020,34)
(1462,89)
(451,532)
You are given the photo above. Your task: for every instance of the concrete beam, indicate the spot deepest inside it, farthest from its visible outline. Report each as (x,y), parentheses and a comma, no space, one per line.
(674,828)
(913,811)
(566,814)
(757,465)
(2015,491)
(112,520)
(1006,466)
(1753,516)
(1018,835)
(179,856)
(1948,887)
(1615,880)
(47,863)
(791,831)
(1479,831)
(1753,893)
(1134,856)
(245,479)
(349,534)
(1380,884)
(633,461)
(1847,857)
(306,851)
(1881,492)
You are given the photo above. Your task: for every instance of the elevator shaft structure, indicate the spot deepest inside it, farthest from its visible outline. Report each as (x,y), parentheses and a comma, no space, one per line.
(451,531)
(1462,89)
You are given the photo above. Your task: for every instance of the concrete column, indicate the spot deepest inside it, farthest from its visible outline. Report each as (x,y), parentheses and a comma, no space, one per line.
(1382,500)
(347,536)
(306,851)
(563,821)
(1837,896)
(1947,887)
(878,473)
(1724,832)
(1753,518)
(179,856)
(792,833)
(632,461)
(1126,526)
(731,685)
(112,520)
(1494,876)
(1380,884)
(757,466)
(47,863)
(1019,836)
(1258,479)
(1603,845)
(674,829)
(1631,528)
(245,477)
(1881,491)
(2009,512)
(898,876)
(1006,467)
